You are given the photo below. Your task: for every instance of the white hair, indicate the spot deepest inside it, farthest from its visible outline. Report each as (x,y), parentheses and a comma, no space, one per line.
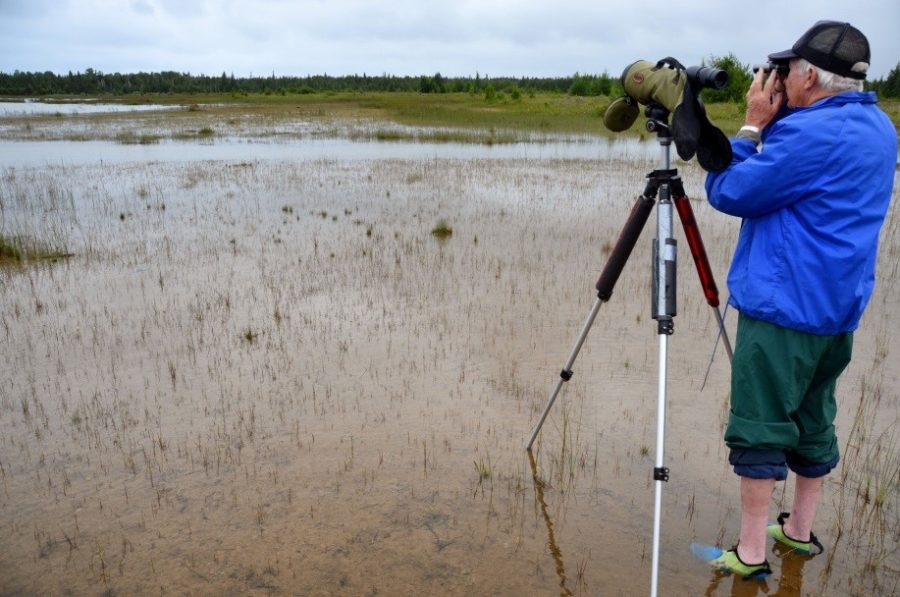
(831,82)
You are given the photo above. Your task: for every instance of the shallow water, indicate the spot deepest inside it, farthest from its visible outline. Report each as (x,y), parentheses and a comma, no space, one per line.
(33,108)
(27,154)
(262,372)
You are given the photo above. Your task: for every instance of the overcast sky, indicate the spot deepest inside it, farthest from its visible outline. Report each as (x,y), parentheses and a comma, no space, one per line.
(410,37)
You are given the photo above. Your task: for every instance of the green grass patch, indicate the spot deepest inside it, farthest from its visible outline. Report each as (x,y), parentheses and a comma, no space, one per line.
(19,250)
(9,250)
(131,138)
(193,134)
(423,135)
(442,230)
(545,112)
(542,112)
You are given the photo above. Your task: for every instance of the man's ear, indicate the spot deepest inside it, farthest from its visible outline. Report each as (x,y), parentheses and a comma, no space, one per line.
(811,79)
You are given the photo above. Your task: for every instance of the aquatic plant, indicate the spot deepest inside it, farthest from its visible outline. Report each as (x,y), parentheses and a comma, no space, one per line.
(442,229)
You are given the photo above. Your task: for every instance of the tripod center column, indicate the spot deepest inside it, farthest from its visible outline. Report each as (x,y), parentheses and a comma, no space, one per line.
(665,253)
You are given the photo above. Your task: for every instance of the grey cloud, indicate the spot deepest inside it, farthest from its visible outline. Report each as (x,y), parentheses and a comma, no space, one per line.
(510,37)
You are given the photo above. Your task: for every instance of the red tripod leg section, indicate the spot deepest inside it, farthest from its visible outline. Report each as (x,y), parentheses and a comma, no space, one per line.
(698,251)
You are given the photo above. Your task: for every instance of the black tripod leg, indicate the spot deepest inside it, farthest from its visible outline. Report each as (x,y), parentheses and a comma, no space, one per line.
(608,277)
(698,252)
(622,251)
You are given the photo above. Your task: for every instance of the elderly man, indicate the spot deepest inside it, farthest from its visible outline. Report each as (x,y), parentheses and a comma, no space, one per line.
(813,198)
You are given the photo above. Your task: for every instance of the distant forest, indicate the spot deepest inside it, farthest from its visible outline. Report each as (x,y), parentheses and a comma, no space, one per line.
(92,82)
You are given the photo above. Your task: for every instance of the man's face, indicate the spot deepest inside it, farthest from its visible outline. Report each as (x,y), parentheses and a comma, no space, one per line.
(795,85)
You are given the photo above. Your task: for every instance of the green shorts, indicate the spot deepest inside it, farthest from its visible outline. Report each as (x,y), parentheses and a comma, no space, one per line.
(782,400)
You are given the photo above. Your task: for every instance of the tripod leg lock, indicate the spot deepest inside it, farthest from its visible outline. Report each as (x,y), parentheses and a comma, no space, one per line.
(661,473)
(666,327)
(566,374)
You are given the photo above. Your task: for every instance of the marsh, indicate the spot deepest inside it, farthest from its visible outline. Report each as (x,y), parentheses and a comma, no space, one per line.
(259,370)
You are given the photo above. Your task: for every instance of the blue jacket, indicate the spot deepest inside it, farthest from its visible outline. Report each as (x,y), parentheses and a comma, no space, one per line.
(813,201)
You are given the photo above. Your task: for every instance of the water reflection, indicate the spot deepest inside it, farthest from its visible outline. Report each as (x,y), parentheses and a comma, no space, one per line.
(740,586)
(555,552)
(789,582)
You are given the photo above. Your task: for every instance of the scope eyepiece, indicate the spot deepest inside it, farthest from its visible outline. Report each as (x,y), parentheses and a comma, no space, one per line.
(707,76)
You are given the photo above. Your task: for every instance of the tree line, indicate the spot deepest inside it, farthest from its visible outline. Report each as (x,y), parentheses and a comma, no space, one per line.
(889,86)
(92,82)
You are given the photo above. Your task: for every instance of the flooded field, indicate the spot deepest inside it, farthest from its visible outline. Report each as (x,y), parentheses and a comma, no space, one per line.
(33,107)
(265,374)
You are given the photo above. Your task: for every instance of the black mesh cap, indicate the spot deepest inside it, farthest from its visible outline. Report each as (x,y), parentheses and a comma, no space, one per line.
(839,48)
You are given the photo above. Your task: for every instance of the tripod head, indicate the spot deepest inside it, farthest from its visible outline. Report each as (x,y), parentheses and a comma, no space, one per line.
(658,123)
(658,120)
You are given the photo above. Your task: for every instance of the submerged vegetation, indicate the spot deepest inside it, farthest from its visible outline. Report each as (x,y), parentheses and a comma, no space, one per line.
(442,229)
(9,250)
(36,220)
(18,250)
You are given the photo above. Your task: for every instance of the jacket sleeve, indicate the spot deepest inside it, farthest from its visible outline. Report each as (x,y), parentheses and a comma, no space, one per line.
(757,183)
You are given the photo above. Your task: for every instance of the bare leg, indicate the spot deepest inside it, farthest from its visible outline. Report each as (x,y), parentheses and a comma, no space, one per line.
(755,497)
(803,511)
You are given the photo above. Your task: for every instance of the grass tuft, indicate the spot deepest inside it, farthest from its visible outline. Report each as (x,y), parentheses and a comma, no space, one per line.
(9,251)
(18,250)
(483,470)
(442,230)
(131,138)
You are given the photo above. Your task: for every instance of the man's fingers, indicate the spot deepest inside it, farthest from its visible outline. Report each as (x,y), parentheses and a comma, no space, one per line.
(758,78)
(757,85)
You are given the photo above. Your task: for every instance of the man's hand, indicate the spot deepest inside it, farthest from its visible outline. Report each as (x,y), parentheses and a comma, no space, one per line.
(764,99)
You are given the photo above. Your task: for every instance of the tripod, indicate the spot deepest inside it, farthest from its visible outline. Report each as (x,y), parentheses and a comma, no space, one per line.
(665,184)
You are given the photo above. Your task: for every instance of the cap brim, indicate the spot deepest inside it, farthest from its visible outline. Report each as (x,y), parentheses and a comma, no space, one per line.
(783,55)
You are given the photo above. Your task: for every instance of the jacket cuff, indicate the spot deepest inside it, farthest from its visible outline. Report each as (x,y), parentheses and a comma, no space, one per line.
(750,133)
